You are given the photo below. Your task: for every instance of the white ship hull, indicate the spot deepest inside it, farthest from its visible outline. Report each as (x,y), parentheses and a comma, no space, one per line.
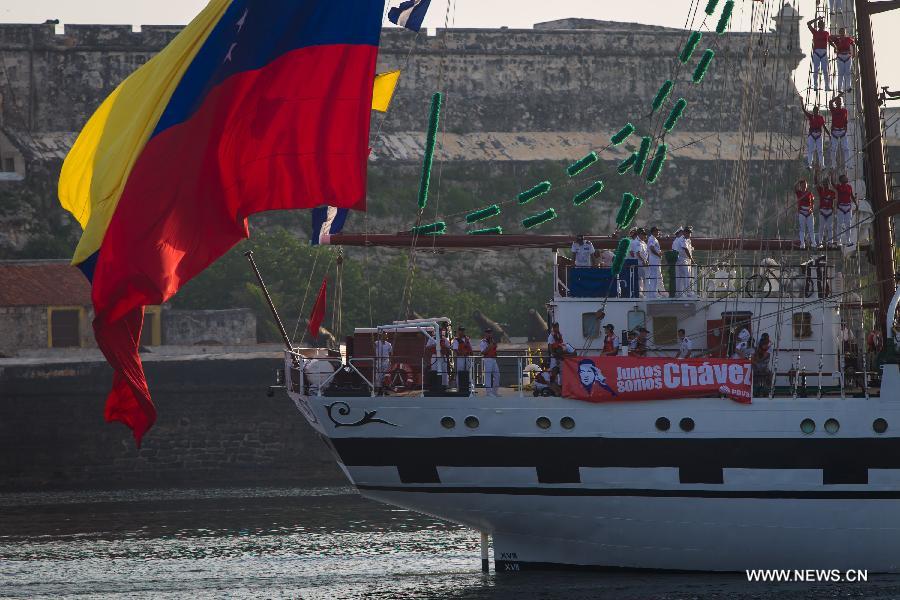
(744,489)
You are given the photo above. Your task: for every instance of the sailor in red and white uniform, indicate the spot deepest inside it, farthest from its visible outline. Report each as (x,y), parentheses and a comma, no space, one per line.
(462,347)
(805,214)
(556,346)
(845,47)
(820,52)
(816,136)
(826,211)
(846,203)
(488,349)
(839,135)
(611,342)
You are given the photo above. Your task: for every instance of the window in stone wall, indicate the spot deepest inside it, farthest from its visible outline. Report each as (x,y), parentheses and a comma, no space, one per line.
(9,164)
(65,327)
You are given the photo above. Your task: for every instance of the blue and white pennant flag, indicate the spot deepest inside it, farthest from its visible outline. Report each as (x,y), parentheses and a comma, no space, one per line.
(327,221)
(409,14)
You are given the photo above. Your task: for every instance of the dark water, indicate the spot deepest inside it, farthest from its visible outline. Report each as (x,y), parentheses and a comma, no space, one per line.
(289,543)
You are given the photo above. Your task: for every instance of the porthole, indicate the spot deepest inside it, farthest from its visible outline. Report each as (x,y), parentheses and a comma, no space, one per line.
(448,423)
(567,423)
(472,422)
(879,425)
(663,424)
(543,422)
(686,424)
(807,426)
(832,425)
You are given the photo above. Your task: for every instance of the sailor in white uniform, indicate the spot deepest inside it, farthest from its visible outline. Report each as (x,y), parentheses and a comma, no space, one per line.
(488,349)
(582,251)
(683,275)
(654,271)
(383,350)
(685,346)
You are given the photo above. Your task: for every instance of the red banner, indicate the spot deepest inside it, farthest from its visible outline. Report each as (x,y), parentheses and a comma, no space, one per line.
(625,378)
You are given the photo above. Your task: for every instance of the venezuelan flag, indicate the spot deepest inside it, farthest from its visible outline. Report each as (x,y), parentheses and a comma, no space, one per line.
(256,105)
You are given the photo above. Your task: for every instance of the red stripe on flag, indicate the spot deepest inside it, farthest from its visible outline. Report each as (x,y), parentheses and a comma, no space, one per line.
(318,311)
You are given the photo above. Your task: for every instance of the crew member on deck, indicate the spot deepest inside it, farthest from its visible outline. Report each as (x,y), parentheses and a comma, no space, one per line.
(742,348)
(643,261)
(439,363)
(805,214)
(845,46)
(548,379)
(582,251)
(820,52)
(639,345)
(685,346)
(462,348)
(839,136)
(610,341)
(826,212)
(846,203)
(556,347)
(815,139)
(654,272)
(488,349)
(762,375)
(383,351)
(683,274)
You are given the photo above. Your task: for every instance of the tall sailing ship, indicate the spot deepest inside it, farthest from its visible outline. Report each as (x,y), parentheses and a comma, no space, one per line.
(802,471)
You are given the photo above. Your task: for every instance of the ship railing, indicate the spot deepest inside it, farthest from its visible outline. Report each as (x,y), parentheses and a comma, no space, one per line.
(816,277)
(313,384)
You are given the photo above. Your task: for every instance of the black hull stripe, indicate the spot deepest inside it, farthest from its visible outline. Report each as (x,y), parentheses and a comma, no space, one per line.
(648,493)
(840,455)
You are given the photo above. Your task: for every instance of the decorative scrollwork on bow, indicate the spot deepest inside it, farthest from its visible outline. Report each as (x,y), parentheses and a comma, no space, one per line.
(343,409)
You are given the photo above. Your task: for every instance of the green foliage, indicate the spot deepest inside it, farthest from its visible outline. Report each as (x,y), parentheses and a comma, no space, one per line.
(621,252)
(587,193)
(433,121)
(656,166)
(622,135)
(664,90)
(636,205)
(703,66)
(286,263)
(675,114)
(484,213)
(580,165)
(539,219)
(627,200)
(626,164)
(688,51)
(725,17)
(487,231)
(538,190)
(640,158)
(437,228)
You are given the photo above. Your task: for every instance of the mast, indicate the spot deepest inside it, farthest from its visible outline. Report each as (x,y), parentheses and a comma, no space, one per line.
(508,241)
(874,150)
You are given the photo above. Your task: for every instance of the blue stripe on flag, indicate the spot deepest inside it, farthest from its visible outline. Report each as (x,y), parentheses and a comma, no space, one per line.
(327,220)
(409,14)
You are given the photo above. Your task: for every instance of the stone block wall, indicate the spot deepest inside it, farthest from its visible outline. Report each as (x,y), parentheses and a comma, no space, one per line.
(22,327)
(216,426)
(236,327)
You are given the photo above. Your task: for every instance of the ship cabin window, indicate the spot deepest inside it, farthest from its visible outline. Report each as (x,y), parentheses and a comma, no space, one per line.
(590,325)
(665,331)
(636,318)
(802,325)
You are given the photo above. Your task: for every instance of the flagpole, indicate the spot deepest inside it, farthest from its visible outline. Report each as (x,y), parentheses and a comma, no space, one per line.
(284,335)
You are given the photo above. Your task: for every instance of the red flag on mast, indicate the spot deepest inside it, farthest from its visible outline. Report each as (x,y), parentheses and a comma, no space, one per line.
(318,312)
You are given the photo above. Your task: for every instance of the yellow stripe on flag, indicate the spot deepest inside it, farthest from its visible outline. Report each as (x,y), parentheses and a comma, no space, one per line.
(383,92)
(97,168)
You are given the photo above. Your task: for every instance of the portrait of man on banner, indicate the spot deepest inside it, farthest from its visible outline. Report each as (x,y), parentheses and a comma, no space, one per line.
(589,375)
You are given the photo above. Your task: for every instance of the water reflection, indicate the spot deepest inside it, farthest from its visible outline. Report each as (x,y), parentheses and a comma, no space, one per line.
(279,543)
